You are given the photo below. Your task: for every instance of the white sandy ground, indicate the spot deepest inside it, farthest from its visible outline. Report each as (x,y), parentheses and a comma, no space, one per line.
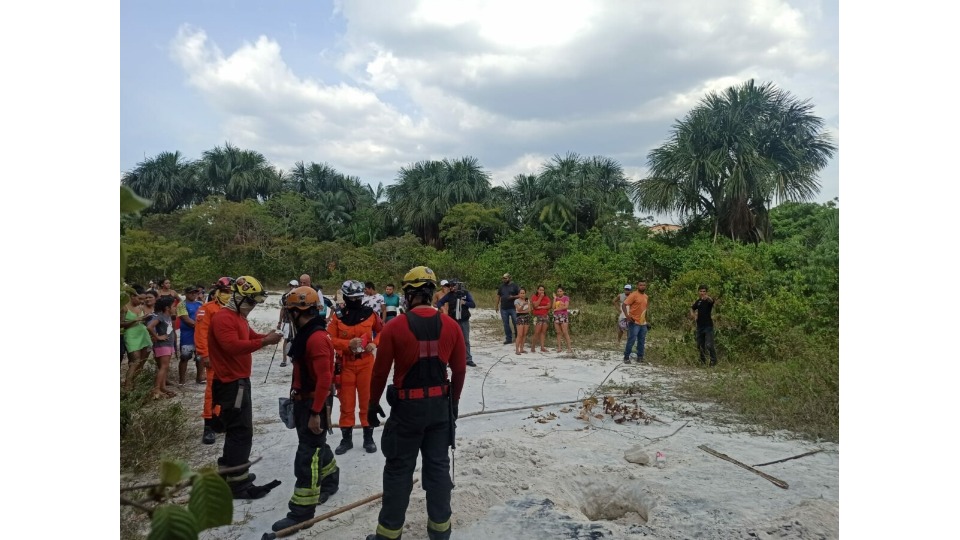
(518,478)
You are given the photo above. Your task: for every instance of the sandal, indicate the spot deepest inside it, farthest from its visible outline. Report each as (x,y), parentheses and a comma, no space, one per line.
(157,394)
(542,349)
(517,353)
(170,394)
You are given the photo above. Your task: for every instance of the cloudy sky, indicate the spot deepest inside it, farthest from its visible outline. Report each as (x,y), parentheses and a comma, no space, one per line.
(369,87)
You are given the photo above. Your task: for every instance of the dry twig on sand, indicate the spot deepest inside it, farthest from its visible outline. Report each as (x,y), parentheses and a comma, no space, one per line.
(798,456)
(776,481)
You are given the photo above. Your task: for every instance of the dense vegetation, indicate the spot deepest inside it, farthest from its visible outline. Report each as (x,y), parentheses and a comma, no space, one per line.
(774,268)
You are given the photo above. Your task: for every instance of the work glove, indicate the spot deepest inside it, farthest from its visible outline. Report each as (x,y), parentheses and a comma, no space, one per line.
(456,409)
(372,412)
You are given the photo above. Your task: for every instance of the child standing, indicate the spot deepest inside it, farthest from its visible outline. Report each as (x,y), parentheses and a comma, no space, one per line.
(523,321)
(161,332)
(561,319)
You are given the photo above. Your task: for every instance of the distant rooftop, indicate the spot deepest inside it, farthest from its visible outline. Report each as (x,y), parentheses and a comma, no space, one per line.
(660,228)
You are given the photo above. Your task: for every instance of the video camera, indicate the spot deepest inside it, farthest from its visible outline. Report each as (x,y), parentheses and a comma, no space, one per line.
(458,288)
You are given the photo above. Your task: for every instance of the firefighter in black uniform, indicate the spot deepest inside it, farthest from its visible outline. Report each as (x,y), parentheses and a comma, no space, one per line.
(419,345)
(318,476)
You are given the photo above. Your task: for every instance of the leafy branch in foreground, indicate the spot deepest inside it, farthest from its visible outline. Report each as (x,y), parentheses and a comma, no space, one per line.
(210,503)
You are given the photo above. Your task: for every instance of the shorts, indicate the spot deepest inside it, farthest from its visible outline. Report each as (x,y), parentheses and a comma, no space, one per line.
(541,319)
(165,350)
(186,352)
(622,324)
(523,319)
(561,318)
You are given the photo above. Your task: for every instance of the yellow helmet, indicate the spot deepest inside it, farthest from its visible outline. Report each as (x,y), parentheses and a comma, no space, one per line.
(419,276)
(250,287)
(301,298)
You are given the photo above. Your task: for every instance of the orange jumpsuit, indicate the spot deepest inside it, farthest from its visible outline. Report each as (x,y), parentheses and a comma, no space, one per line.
(357,368)
(201,332)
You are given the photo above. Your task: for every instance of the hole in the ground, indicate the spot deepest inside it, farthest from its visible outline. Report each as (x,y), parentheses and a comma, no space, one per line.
(607,497)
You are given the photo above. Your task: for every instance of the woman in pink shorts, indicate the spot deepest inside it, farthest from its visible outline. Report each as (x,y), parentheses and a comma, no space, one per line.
(161,332)
(561,319)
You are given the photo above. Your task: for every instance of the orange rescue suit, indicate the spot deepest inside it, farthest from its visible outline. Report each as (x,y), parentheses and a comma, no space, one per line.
(357,367)
(200,339)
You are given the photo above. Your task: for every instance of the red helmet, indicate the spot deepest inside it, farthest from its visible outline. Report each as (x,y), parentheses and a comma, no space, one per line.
(224,284)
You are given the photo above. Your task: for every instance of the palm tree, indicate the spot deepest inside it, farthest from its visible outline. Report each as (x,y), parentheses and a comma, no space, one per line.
(426,190)
(576,192)
(735,155)
(333,208)
(518,200)
(239,174)
(168,179)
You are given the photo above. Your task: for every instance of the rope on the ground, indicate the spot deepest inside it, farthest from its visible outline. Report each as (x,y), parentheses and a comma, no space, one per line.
(597,389)
(483,401)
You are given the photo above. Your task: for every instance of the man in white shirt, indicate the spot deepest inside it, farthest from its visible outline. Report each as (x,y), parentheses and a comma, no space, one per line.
(374,300)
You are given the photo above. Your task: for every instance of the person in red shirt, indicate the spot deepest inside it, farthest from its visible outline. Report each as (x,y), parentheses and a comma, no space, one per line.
(355,333)
(540,303)
(231,343)
(220,296)
(419,346)
(311,351)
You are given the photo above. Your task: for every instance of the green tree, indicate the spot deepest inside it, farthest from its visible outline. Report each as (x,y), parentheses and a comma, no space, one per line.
(471,223)
(427,190)
(168,179)
(238,174)
(734,155)
(571,193)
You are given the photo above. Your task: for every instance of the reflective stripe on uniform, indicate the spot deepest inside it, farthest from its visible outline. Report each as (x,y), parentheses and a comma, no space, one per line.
(306,496)
(328,469)
(439,527)
(392,534)
(238,478)
(311,495)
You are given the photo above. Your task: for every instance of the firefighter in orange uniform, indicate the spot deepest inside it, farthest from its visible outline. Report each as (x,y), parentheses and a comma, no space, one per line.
(221,295)
(353,334)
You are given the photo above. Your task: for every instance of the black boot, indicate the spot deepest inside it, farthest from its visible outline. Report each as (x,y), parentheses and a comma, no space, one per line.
(209,437)
(378,537)
(346,443)
(435,535)
(297,514)
(368,443)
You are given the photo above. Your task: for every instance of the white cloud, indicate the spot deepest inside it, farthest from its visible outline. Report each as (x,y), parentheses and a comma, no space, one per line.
(511,83)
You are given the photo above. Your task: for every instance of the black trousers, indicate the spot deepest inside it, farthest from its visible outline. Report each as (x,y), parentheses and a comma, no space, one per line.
(314,465)
(705,343)
(416,426)
(236,422)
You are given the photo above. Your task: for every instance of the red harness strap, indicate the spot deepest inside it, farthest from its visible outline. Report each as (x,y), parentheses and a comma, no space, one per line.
(420,393)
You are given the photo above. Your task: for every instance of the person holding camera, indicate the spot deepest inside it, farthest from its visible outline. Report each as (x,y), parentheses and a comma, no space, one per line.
(458,302)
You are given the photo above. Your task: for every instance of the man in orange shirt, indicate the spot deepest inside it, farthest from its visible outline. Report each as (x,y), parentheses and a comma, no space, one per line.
(231,344)
(221,295)
(635,308)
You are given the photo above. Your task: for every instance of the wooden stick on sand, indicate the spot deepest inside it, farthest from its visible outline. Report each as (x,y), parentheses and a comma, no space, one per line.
(776,481)
(300,526)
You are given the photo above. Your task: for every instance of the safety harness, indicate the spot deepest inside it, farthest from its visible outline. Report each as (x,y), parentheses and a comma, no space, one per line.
(428,377)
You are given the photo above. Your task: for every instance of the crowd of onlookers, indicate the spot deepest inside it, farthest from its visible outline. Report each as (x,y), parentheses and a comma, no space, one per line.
(149,324)
(150,321)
